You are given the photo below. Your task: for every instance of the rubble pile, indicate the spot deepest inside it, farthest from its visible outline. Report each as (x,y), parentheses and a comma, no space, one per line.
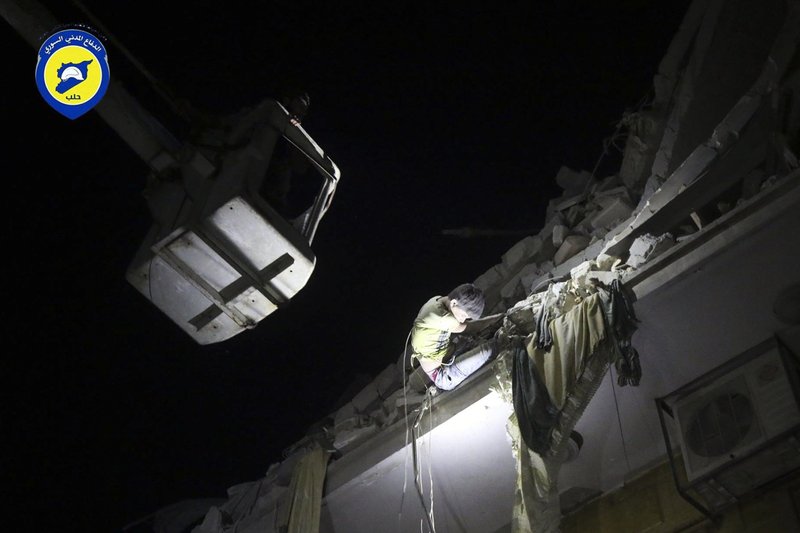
(584,215)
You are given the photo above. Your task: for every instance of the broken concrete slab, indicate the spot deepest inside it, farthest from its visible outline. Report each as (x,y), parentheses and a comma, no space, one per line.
(574,214)
(616,211)
(512,291)
(646,247)
(491,281)
(522,252)
(560,233)
(604,198)
(609,182)
(348,437)
(584,227)
(492,277)
(565,202)
(530,273)
(366,399)
(578,274)
(344,413)
(571,246)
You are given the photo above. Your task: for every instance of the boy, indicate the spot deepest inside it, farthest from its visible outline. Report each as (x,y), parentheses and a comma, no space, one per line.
(430,337)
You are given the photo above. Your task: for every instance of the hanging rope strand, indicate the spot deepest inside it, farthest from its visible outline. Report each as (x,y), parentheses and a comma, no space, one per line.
(417,477)
(430,468)
(405,419)
(619,421)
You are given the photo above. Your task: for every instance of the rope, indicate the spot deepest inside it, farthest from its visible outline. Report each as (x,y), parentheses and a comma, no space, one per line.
(417,479)
(430,468)
(616,135)
(405,419)
(619,421)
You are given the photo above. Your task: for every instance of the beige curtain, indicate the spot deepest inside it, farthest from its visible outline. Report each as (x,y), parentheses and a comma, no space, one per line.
(572,371)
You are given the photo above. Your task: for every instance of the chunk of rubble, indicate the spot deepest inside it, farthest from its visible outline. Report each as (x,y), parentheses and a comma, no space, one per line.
(354,430)
(605,261)
(491,277)
(607,197)
(579,273)
(639,147)
(570,201)
(605,184)
(574,214)
(531,273)
(584,227)
(512,291)
(571,246)
(522,252)
(560,233)
(646,247)
(602,277)
(614,212)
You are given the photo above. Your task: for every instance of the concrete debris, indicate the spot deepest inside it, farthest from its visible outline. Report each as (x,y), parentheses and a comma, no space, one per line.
(529,275)
(584,227)
(603,277)
(579,273)
(567,202)
(357,429)
(553,220)
(605,198)
(366,399)
(615,212)
(560,232)
(646,247)
(522,252)
(571,246)
(520,284)
(605,184)
(491,281)
(346,412)
(513,290)
(643,136)
(574,214)
(491,278)
(698,221)
(388,380)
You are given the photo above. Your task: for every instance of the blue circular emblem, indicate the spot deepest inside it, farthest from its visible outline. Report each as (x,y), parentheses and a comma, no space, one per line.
(72,72)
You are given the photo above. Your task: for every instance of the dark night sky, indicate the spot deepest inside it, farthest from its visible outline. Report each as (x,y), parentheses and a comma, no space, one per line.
(438,118)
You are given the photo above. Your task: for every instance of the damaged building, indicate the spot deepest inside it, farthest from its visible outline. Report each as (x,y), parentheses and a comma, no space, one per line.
(681,415)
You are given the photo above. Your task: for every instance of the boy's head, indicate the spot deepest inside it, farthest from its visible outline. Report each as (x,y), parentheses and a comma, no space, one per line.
(466,302)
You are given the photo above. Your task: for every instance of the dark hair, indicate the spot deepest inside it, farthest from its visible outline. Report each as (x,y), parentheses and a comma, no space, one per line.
(470,299)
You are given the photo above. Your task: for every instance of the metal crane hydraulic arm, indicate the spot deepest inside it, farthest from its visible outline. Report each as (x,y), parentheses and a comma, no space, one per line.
(218,258)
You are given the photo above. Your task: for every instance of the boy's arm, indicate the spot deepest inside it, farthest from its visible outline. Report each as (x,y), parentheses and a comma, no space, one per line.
(459,328)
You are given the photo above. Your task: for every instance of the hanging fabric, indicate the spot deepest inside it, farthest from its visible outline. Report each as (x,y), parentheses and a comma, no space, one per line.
(535,410)
(623,323)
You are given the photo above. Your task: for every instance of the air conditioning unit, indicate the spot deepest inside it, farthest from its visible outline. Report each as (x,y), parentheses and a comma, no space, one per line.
(731,420)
